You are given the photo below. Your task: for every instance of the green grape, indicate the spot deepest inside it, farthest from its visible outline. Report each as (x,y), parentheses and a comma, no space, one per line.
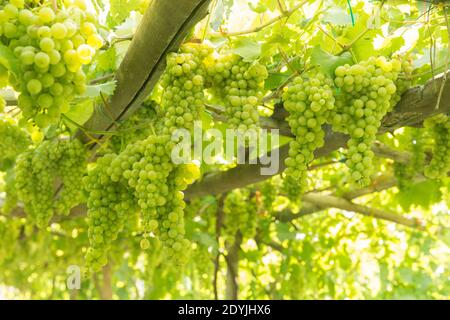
(58,31)
(46,15)
(27,57)
(439,128)
(11,11)
(26,17)
(45,101)
(47,45)
(309,101)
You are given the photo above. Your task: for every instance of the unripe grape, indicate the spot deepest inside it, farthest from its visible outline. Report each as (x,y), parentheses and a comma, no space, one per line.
(46,44)
(46,15)
(58,31)
(41,60)
(34,86)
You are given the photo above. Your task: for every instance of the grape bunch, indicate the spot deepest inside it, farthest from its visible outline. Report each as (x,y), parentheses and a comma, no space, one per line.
(108,204)
(240,212)
(51,48)
(309,101)
(366,95)
(37,171)
(240,84)
(439,127)
(35,174)
(405,173)
(13,139)
(183,84)
(147,176)
(71,170)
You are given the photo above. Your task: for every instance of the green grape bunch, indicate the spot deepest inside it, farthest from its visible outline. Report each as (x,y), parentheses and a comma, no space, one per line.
(38,170)
(240,214)
(366,95)
(439,128)
(109,204)
(51,48)
(13,139)
(309,101)
(240,84)
(183,85)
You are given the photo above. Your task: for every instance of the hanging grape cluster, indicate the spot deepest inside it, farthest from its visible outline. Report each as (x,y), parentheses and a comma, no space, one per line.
(38,170)
(51,48)
(405,173)
(240,214)
(13,140)
(183,85)
(108,204)
(309,101)
(439,127)
(240,84)
(366,95)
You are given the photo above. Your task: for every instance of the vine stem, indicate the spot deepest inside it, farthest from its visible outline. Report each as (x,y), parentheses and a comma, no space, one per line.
(331,37)
(347,47)
(285,14)
(54,5)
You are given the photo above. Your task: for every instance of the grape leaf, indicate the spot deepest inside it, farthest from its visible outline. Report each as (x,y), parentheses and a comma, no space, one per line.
(106,60)
(283,232)
(217,16)
(422,194)
(8,60)
(248,49)
(94,91)
(275,80)
(327,62)
(337,15)
(119,10)
(80,113)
